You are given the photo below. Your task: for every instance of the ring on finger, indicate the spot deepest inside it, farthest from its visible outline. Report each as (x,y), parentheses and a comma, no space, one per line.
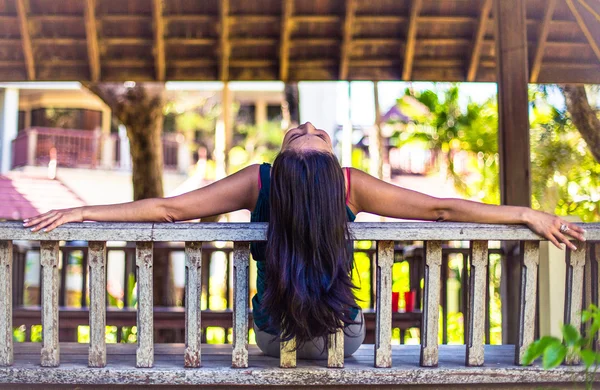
(564,228)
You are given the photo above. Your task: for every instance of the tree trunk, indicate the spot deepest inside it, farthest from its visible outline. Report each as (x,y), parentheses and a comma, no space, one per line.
(292,98)
(584,117)
(140,110)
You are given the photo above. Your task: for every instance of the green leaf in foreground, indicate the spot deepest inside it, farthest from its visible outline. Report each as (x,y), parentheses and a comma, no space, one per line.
(570,334)
(554,354)
(588,357)
(536,349)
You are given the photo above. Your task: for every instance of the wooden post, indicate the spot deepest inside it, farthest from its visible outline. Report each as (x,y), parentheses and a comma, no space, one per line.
(6,336)
(478,40)
(224,44)
(347,38)
(91,34)
(383,320)
(475,326)
(431,304)
(241,258)
(22,13)
(595,248)
(193,293)
(284,45)
(574,292)
(159,40)
(527,293)
(97,264)
(335,349)
(145,321)
(49,261)
(513,138)
(411,38)
(287,354)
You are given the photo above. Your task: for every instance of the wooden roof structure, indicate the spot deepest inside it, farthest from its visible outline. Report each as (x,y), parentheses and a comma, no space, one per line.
(158,40)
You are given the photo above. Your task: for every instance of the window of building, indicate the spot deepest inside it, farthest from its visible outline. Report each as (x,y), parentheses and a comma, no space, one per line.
(66,118)
(246,114)
(274,113)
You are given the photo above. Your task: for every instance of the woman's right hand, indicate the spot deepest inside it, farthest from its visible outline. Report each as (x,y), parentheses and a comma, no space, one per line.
(53,218)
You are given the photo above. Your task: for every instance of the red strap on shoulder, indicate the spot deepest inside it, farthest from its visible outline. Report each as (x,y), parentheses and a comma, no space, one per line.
(259,180)
(349,184)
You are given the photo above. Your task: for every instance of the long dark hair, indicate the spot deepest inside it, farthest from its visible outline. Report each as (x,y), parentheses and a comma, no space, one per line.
(309,290)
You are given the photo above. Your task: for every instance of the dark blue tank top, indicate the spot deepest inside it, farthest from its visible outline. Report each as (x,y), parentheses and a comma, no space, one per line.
(261,213)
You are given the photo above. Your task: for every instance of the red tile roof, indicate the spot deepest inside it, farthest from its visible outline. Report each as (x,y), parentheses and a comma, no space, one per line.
(23,196)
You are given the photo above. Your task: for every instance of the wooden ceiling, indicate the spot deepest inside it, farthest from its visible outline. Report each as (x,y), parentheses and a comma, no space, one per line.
(146,40)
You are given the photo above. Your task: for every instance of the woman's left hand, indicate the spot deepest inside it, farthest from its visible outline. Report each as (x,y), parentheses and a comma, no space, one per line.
(549,226)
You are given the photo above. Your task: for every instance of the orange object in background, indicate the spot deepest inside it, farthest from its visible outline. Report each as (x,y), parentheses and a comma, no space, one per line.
(395,300)
(410,298)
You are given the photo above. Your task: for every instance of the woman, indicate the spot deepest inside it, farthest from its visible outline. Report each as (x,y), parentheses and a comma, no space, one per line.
(304,289)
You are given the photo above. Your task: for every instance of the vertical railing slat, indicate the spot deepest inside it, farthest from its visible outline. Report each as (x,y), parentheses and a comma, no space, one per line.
(193,294)
(431,303)
(574,292)
(145,323)
(287,354)
(476,314)
(50,355)
(527,297)
(383,319)
(595,248)
(97,265)
(335,349)
(241,258)
(6,335)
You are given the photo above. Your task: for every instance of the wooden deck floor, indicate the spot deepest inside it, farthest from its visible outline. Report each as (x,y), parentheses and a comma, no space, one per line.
(216,360)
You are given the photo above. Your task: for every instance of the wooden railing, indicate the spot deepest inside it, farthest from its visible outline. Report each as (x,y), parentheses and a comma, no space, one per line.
(145,234)
(75,148)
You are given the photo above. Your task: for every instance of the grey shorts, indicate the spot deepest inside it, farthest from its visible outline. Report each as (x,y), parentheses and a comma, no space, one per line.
(354,336)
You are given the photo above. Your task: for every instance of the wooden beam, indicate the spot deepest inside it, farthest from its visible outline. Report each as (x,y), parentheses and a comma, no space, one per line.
(411,37)
(260,19)
(22,10)
(252,41)
(444,42)
(316,19)
(541,45)
(125,18)
(91,34)
(8,18)
(190,41)
(347,39)
(377,41)
(224,44)
(127,41)
(284,46)
(159,40)
(513,140)
(590,9)
(584,29)
(190,18)
(478,40)
(447,19)
(375,19)
(54,18)
(59,41)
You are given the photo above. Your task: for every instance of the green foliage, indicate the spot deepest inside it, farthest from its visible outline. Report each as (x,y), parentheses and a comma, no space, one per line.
(553,350)
(256,144)
(565,178)
(468,136)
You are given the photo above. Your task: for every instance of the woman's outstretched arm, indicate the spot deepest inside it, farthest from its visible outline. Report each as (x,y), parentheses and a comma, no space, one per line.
(235,192)
(372,195)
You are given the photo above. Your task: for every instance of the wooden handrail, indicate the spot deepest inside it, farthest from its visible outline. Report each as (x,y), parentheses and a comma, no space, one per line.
(256,231)
(145,234)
